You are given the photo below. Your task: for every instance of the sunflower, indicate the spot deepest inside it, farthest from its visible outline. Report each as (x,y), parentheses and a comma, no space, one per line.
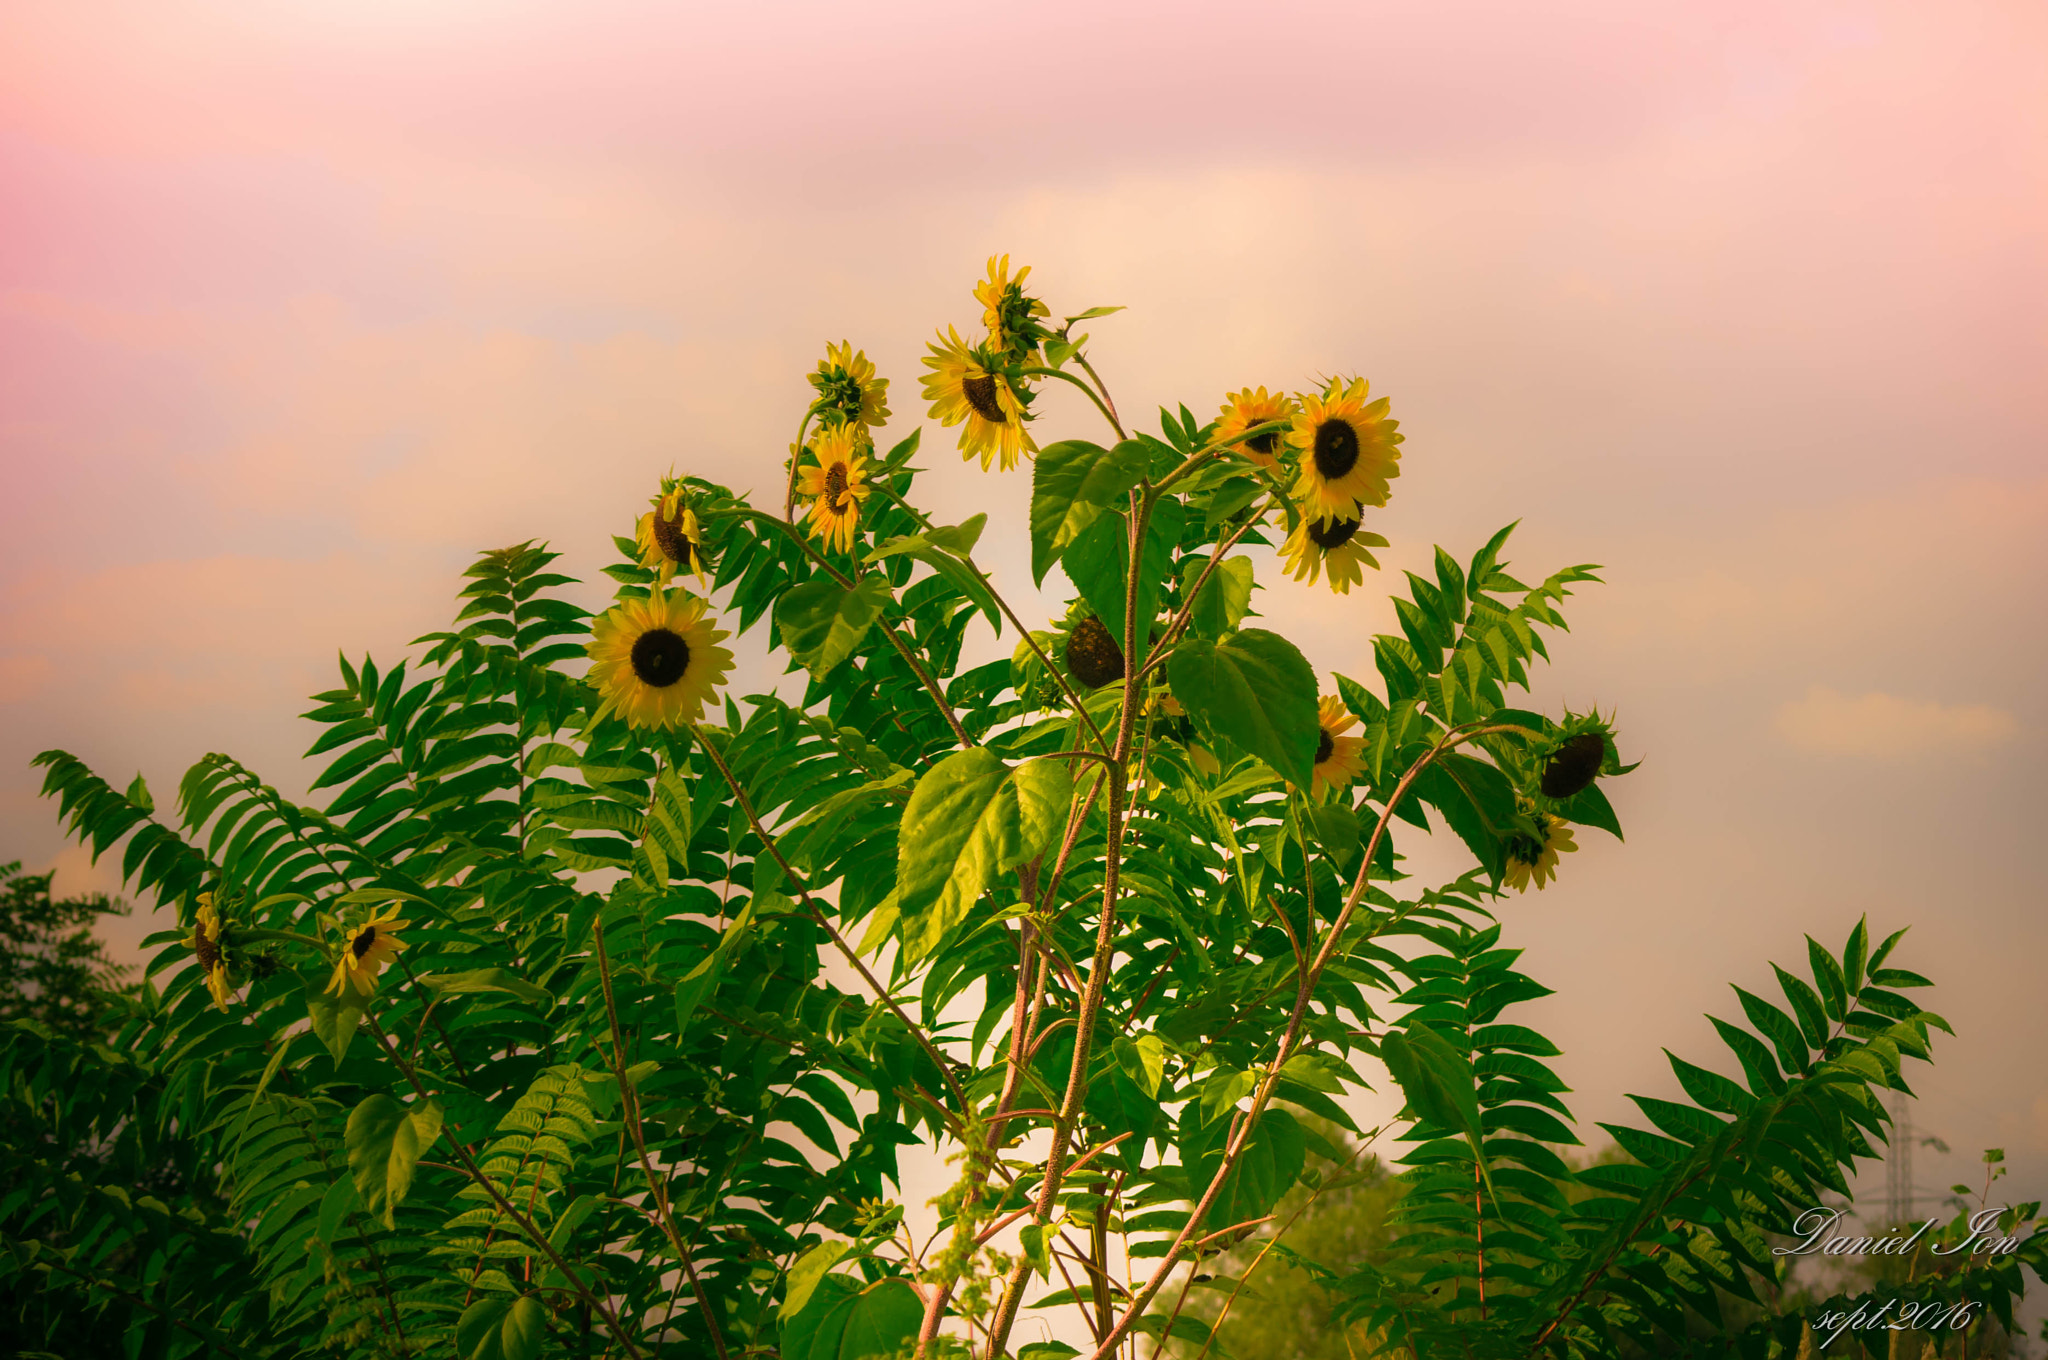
(1248,408)
(1339,759)
(1574,765)
(670,538)
(836,483)
(849,393)
(1532,862)
(656,661)
(368,948)
(1349,450)
(967,385)
(1010,315)
(1092,655)
(208,948)
(1336,544)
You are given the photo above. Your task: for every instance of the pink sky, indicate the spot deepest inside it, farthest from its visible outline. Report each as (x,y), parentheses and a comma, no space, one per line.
(301,304)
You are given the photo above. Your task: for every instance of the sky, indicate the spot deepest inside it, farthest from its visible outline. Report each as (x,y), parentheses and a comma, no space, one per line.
(303,304)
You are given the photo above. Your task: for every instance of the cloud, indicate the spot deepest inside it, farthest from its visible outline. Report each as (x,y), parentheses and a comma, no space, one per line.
(1886,727)
(22,677)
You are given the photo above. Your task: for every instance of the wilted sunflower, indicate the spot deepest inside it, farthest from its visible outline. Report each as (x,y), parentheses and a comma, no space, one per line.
(656,661)
(368,948)
(1532,863)
(1335,544)
(1249,408)
(849,393)
(207,948)
(966,385)
(669,537)
(1339,759)
(1349,450)
(1010,315)
(836,484)
(1092,655)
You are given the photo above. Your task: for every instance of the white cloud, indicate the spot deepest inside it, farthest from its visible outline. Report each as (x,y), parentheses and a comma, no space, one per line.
(1886,727)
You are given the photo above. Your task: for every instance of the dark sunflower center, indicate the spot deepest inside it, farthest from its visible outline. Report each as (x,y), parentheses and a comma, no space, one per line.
(1336,449)
(1326,745)
(206,949)
(1331,533)
(364,941)
(1092,654)
(1264,444)
(660,657)
(981,395)
(1574,765)
(675,545)
(835,484)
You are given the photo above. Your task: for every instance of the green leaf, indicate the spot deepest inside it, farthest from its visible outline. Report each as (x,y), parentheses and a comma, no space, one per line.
(496,1327)
(702,979)
(958,539)
(1255,688)
(1268,1168)
(823,621)
(1337,831)
(847,1321)
(1097,564)
(1437,1081)
(1090,314)
(335,1018)
(971,817)
(1224,599)
(1143,1060)
(336,1205)
(1073,482)
(384,1141)
(138,794)
(486,980)
(805,1274)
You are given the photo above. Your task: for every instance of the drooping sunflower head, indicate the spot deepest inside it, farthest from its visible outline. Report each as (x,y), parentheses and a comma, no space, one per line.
(1010,314)
(1339,759)
(1337,545)
(209,948)
(366,950)
(967,387)
(657,661)
(836,484)
(1578,752)
(1249,409)
(669,537)
(1532,849)
(1092,655)
(849,393)
(1348,450)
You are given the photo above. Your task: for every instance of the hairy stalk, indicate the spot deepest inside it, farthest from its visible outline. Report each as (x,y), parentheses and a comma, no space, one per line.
(1105,943)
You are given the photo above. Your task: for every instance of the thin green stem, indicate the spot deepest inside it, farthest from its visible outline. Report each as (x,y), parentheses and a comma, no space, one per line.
(1102,387)
(1100,405)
